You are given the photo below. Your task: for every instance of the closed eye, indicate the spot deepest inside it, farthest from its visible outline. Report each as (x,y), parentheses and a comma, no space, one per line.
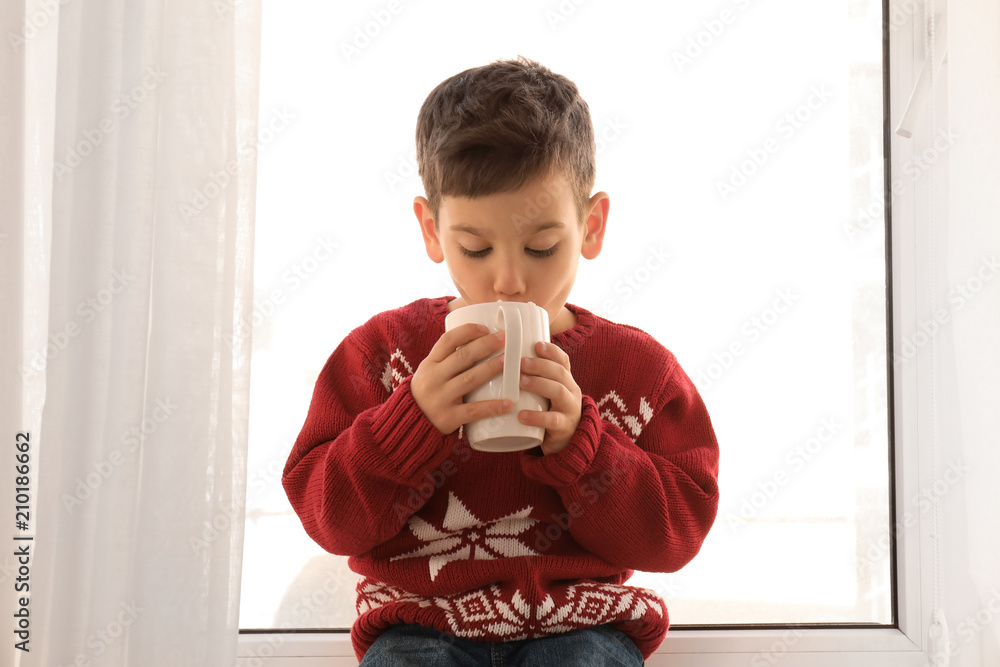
(542,253)
(479,254)
(475,254)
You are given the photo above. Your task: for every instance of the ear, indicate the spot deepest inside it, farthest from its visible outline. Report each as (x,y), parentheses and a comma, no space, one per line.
(597,219)
(422,209)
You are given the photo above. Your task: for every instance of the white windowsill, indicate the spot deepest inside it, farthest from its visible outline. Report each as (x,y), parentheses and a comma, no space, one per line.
(682,648)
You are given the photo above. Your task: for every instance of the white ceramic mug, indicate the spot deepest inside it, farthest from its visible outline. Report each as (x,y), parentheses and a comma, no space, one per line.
(525,324)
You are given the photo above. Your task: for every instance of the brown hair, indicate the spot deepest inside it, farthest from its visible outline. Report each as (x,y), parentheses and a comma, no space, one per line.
(498,127)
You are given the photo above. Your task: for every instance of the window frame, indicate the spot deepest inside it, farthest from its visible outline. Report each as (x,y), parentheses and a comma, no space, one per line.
(901,645)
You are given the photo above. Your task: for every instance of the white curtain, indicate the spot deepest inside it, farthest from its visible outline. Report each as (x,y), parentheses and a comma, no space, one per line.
(966,249)
(127,172)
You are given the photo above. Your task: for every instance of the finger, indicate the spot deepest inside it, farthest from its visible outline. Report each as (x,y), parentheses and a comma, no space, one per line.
(553,352)
(484,409)
(547,368)
(557,355)
(535,418)
(453,339)
(470,354)
(558,394)
(471,378)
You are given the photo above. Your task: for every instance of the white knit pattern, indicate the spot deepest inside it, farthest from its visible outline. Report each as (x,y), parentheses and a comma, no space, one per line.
(393,374)
(463,536)
(489,615)
(621,418)
(398,369)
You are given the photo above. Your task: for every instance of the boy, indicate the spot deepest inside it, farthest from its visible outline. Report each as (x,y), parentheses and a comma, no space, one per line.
(516,558)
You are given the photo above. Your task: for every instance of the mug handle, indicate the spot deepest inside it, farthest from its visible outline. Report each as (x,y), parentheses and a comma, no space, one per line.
(511,389)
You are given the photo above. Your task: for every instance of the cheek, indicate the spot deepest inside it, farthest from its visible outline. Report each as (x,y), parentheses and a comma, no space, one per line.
(563,265)
(473,277)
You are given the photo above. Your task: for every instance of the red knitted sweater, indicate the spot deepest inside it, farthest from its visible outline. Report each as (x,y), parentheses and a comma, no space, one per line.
(505,546)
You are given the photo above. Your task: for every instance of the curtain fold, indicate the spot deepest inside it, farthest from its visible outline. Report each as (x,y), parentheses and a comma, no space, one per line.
(128,177)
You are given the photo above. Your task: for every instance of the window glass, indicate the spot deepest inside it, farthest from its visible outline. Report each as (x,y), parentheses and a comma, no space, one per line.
(741,146)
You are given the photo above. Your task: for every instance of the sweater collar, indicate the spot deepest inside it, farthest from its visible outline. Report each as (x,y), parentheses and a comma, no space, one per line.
(566,340)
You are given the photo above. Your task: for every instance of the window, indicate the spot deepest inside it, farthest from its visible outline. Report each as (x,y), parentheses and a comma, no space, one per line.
(742,148)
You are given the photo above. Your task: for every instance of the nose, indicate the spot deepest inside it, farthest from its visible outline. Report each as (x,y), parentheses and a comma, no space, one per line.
(508,282)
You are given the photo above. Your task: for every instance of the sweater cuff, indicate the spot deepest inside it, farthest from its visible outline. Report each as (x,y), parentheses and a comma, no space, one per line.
(565,467)
(411,443)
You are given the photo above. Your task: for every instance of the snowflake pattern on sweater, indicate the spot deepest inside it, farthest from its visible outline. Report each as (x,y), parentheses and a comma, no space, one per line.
(462,536)
(505,546)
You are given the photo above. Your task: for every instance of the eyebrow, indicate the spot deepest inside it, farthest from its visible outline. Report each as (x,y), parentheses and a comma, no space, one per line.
(482,233)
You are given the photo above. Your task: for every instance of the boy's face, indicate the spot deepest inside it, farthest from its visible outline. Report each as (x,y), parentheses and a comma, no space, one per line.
(527,242)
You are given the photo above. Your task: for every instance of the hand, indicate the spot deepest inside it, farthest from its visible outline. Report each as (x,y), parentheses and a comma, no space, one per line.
(550,376)
(448,373)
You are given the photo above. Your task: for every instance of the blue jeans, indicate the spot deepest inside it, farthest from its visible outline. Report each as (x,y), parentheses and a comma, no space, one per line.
(417,646)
